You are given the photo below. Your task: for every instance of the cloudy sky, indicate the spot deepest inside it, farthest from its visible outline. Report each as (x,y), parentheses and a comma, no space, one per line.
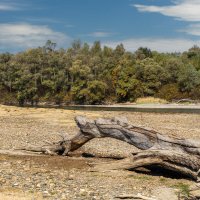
(162,25)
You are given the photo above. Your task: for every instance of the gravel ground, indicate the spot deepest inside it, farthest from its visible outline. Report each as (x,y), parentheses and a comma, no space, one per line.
(44,177)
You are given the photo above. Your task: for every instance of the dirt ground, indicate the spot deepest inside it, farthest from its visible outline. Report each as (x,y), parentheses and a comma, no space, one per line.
(46,177)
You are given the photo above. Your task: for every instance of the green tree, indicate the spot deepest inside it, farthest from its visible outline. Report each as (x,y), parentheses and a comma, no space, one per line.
(152,75)
(143,53)
(188,79)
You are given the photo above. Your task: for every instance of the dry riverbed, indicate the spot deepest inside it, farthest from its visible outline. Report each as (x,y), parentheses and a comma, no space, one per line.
(44,177)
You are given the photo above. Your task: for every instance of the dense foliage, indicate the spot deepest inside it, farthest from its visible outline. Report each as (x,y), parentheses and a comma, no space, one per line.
(96,75)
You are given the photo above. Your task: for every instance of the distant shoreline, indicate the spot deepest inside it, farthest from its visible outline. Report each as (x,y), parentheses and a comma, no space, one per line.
(151,108)
(189,106)
(118,105)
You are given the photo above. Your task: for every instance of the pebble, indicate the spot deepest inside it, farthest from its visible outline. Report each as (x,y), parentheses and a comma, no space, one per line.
(61,183)
(46,194)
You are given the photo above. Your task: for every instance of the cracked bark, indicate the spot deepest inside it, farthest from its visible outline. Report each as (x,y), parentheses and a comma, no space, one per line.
(179,155)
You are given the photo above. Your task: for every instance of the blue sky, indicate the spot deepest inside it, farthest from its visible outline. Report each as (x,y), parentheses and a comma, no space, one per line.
(162,25)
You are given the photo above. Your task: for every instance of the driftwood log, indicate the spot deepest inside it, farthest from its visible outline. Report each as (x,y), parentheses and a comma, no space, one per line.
(179,155)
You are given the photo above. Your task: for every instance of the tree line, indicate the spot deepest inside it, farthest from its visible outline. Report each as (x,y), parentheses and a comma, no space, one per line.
(84,74)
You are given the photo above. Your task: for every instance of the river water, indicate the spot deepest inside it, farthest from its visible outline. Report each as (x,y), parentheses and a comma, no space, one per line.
(151,109)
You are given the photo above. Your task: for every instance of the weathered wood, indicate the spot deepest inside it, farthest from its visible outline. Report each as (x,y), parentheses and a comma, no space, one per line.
(180,155)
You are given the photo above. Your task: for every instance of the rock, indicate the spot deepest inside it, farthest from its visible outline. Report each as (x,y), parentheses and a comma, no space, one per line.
(46,194)
(83,192)
(71,177)
(64,197)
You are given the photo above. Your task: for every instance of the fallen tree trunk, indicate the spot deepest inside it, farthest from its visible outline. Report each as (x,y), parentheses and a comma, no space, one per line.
(180,155)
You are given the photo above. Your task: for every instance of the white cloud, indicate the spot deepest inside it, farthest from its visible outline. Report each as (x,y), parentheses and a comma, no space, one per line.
(5,7)
(159,44)
(43,20)
(22,36)
(186,10)
(193,29)
(10,6)
(100,34)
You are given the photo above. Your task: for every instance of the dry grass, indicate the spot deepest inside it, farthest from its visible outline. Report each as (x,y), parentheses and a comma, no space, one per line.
(150,100)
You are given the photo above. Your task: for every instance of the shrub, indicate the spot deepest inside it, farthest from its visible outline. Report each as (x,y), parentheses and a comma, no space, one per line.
(170,92)
(195,94)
